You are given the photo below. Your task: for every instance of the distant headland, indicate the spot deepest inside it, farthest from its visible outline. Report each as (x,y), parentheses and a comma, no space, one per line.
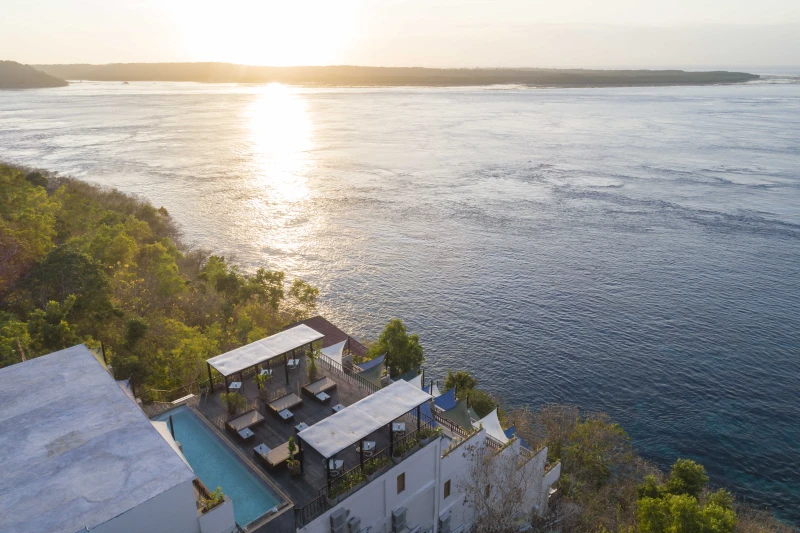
(351,76)
(15,75)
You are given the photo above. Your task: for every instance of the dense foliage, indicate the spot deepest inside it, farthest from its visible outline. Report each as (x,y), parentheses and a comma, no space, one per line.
(83,264)
(403,351)
(606,487)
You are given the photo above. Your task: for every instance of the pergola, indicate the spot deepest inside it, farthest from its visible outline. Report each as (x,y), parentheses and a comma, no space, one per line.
(353,424)
(262,351)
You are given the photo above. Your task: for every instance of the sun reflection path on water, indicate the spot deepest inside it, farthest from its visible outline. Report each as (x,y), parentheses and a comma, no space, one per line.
(281,136)
(281,139)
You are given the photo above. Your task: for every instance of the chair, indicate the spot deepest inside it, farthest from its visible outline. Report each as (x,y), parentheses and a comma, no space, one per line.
(369,448)
(292,364)
(335,465)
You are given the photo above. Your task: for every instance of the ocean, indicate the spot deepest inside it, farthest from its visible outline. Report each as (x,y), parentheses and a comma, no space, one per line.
(629,250)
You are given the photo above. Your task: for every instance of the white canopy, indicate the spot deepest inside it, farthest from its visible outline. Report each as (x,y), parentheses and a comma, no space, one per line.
(353,423)
(261,351)
(492,426)
(335,351)
(417,381)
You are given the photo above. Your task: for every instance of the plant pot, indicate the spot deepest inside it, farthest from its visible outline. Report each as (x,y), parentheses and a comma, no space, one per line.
(396,459)
(371,476)
(332,501)
(294,468)
(424,441)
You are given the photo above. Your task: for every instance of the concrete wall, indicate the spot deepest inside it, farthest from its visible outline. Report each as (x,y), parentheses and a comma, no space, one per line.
(455,468)
(374,503)
(174,511)
(220,519)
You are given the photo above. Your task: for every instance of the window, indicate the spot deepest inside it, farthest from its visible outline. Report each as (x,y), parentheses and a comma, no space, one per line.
(447,488)
(401,483)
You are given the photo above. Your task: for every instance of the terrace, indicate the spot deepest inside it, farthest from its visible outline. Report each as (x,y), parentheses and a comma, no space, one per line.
(307,492)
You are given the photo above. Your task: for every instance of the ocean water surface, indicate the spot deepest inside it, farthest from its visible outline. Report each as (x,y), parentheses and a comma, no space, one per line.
(630,250)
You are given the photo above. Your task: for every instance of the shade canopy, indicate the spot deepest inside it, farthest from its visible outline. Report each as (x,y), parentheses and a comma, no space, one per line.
(417,381)
(372,363)
(447,400)
(459,415)
(435,390)
(263,350)
(353,423)
(492,426)
(334,351)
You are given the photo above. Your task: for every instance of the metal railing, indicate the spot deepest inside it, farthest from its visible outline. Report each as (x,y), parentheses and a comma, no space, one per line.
(339,370)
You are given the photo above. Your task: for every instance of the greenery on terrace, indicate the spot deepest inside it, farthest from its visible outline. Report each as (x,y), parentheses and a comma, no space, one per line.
(79,263)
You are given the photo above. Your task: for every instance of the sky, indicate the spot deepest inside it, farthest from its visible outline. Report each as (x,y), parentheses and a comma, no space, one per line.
(428,33)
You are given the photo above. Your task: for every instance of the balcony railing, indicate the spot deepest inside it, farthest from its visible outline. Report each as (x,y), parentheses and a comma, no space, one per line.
(354,479)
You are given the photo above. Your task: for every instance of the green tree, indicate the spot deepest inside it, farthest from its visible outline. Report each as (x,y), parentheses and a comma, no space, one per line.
(65,273)
(14,339)
(687,477)
(403,351)
(48,328)
(462,381)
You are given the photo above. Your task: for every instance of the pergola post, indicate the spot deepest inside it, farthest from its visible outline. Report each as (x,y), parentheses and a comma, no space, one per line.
(210,379)
(361,449)
(286,366)
(328,470)
(227,386)
(391,440)
(419,418)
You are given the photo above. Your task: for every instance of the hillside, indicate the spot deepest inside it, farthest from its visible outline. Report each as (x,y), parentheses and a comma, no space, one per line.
(15,75)
(387,76)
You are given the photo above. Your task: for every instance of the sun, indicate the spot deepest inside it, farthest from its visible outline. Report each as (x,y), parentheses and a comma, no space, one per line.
(275,33)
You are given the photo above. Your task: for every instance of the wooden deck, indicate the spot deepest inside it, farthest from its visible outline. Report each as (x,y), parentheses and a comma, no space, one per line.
(306,487)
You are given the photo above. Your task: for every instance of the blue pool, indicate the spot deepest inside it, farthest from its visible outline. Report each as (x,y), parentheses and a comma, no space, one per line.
(217,466)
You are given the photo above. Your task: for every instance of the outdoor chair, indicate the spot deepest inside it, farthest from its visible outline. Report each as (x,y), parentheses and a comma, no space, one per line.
(292,364)
(336,466)
(369,448)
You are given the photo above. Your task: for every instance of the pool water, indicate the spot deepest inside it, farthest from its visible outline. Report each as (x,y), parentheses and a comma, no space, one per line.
(217,466)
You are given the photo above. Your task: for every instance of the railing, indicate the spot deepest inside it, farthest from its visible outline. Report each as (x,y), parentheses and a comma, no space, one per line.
(354,479)
(339,370)
(450,425)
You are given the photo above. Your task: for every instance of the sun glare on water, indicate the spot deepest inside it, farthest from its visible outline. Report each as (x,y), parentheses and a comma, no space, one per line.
(280,131)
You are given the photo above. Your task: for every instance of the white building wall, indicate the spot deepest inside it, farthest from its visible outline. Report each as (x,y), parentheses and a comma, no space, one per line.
(426,473)
(374,503)
(173,511)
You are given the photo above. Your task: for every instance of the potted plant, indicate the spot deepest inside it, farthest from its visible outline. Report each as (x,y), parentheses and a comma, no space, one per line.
(261,381)
(372,466)
(214,499)
(233,401)
(312,364)
(332,494)
(291,463)
(397,454)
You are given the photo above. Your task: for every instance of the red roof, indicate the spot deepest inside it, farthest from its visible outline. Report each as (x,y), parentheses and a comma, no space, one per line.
(332,334)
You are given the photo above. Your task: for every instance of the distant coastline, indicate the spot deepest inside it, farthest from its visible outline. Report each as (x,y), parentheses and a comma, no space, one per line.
(353,76)
(15,75)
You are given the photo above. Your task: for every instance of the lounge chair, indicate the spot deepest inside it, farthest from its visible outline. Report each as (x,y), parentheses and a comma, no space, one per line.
(247,420)
(274,457)
(289,401)
(321,385)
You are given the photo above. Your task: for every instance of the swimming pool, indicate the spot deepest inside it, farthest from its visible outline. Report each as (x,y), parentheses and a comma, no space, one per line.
(217,466)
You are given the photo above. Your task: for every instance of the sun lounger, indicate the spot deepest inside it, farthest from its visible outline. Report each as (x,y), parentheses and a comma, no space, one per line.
(289,401)
(321,385)
(272,458)
(247,420)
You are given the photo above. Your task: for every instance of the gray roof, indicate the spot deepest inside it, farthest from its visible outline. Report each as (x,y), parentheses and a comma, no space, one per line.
(75,450)
(263,350)
(340,430)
